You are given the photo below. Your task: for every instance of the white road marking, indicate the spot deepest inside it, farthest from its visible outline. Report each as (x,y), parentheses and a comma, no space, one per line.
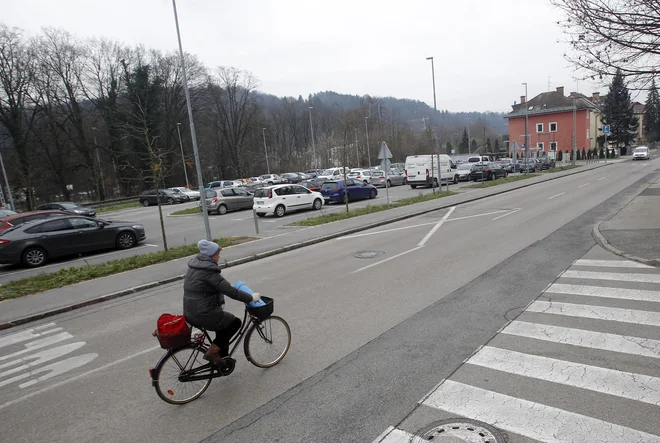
(59,367)
(596,312)
(436,227)
(556,195)
(387,259)
(38,344)
(393,435)
(616,276)
(508,214)
(153,246)
(269,221)
(587,339)
(529,419)
(602,178)
(598,291)
(26,335)
(77,377)
(476,215)
(638,387)
(612,264)
(582,186)
(39,358)
(386,230)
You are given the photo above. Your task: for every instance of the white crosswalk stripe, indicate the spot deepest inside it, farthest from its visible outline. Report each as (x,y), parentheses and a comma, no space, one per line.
(597,345)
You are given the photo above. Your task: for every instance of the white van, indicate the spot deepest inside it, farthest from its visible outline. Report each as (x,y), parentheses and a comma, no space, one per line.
(421,170)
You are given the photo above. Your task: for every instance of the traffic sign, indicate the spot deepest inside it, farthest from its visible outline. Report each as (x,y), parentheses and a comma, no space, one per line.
(384,151)
(453,151)
(606,129)
(514,146)
(385,164)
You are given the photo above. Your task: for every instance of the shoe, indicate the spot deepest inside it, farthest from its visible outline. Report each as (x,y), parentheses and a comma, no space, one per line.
(213,355)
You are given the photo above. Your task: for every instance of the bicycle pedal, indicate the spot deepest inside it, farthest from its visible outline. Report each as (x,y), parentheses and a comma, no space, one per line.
(231,364)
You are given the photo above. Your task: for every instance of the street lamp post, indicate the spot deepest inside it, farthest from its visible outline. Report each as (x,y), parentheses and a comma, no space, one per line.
(98,159)
(265,149)
(183,157)
(357,150)
(433,77)
(469,139)
(366,129)
(526,128)
(311,128)
(4,172)
(205,213)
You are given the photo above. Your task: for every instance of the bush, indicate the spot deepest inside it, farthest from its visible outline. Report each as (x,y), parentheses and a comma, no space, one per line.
(602,153)
(560,157)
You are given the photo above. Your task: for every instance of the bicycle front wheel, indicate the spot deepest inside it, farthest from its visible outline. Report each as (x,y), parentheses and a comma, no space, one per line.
(268,342)
(183,375)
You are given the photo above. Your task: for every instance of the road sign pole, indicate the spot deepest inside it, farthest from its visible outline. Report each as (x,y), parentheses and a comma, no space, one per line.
(432,175)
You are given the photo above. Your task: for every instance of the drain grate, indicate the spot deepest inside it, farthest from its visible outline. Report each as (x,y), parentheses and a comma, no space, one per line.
(465,430)
(368,254)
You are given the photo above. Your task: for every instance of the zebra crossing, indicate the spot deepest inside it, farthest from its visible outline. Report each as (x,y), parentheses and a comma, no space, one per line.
(580,364)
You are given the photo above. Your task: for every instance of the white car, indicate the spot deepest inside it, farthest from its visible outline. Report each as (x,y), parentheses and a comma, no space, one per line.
(334,174)
(641,153)
(271,179)
(360,174)
(280,199)
(191,193)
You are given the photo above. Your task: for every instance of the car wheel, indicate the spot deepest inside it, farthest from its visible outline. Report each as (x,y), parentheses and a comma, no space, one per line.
(145,203)
(170,201)
(435,182)
(413,186)
(222,210)
(455,179)
(125,240)
(405,181)
(280,210)
(372,194)
(261,215)
(506,174)
(317,204)
(270,183)
(389,184)
(34,257)
(490,177)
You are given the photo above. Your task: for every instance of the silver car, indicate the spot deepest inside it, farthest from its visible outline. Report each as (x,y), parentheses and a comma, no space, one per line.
(394,178)
(222,201)
(463,171)
(641,153)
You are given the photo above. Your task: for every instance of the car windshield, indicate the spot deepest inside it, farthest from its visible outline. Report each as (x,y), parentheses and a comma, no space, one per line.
(378,173)
(209,194)
(330,185)
(261,193)
(328,172)
(69,205)
(640,150)
(265,177)
(464,167)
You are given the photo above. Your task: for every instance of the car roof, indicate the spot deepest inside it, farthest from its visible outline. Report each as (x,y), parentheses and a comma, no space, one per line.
(9,218)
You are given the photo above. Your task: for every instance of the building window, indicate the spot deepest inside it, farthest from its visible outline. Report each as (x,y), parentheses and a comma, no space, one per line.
(553,127)
(588,138)
(553,146)
(540,146)
(539,127)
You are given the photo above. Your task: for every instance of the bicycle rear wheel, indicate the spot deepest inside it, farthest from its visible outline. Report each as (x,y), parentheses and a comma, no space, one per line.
(268,342)
(181,376)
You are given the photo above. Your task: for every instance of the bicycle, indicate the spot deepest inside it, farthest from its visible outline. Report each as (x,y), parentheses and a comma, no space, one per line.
(182,375)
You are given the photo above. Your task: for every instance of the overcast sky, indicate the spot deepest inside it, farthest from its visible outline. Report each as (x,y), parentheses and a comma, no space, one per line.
(483,49)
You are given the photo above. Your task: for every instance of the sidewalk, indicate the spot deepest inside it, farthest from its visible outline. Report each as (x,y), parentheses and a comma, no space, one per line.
(34,307)
(634,232)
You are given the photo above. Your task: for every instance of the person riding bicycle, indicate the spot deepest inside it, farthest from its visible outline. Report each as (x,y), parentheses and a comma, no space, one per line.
(203,299)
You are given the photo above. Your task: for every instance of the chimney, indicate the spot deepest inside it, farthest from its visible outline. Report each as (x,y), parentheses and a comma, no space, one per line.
(522,99)
(596,96)
(560,89)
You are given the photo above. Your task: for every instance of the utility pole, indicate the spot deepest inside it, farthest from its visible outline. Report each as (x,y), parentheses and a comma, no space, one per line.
(526,129)
(98,159)
(4,172)
(366,129)
(574,133)
(469,139)
(357,150)
(183,157)
(311,128)
(266,150)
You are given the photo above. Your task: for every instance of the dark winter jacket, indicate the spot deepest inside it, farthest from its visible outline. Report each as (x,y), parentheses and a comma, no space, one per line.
(203,290)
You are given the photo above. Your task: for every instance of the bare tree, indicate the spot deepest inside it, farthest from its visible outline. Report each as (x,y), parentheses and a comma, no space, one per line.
(606,35)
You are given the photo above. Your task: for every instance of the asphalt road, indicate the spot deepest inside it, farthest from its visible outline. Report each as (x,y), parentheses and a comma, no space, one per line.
(370,337)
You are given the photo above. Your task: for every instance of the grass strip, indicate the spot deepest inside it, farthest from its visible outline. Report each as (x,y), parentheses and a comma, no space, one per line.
(560,168)
(189,211)
(69,276)
(369,209)
(118,207)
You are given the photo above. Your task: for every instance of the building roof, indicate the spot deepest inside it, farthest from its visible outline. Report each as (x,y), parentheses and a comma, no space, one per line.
(550,103)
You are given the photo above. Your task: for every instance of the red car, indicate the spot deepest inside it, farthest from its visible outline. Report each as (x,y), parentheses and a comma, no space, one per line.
(15,220)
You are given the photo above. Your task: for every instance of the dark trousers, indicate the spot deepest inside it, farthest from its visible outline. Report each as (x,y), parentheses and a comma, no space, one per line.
(223,336)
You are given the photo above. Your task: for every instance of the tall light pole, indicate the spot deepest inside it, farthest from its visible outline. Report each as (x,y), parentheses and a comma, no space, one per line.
(574,131)
(98,159)
(4,172)
(265,149)
(205,213)
(357,150)
(311,128)
(183,157)
(433,77)
(526,127)
(366,129)
(469,139)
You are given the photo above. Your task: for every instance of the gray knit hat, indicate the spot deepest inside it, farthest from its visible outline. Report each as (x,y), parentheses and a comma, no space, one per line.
(208,247)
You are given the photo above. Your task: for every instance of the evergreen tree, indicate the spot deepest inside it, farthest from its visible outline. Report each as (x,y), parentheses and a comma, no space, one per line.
(559,156)
(449,147)
(497,145)
(618,113)
(652,115)
(463,148)
(473,145)
(584,154)
(488,145)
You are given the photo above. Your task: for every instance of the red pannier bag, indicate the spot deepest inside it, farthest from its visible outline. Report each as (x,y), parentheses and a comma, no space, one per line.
(172,331)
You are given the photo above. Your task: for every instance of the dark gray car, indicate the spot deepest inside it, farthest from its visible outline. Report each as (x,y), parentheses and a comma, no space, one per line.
(34,243)
(70,207)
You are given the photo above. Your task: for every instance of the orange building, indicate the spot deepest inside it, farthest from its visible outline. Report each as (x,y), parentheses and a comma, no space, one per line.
(551,126)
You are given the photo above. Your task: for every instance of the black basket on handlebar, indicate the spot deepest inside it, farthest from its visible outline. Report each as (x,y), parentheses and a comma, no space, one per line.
(262,312)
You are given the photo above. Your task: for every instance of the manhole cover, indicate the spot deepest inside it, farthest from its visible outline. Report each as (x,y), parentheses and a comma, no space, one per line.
(460,430)
(368,254)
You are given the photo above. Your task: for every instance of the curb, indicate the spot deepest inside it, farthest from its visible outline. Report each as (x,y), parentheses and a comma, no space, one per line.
(603,243)
(294,246)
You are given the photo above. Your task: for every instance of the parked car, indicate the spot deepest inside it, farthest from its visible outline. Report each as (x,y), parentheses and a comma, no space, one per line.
(641,153)
(222,201)
(251,187)
(507,164)
(313,184)
(69,207)
(313,173)
(545,163)
(334,173)
(221,184)
(462,172)
(7,213)
(522,166)
(280,199)
(23,217)
(394,178)
(271,179)
(148,197)
(185,197)
(486,171)
(334,191)
(191,193)
(479,159)
(360,174)
(293,177)
(34,243)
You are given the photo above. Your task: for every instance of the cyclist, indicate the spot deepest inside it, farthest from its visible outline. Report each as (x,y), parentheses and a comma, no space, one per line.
(203,299)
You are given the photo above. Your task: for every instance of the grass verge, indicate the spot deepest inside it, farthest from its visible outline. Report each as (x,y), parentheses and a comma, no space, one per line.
(499,181)
(189,211)
(118,207)
(369,209)
(69,276)
(561,168)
